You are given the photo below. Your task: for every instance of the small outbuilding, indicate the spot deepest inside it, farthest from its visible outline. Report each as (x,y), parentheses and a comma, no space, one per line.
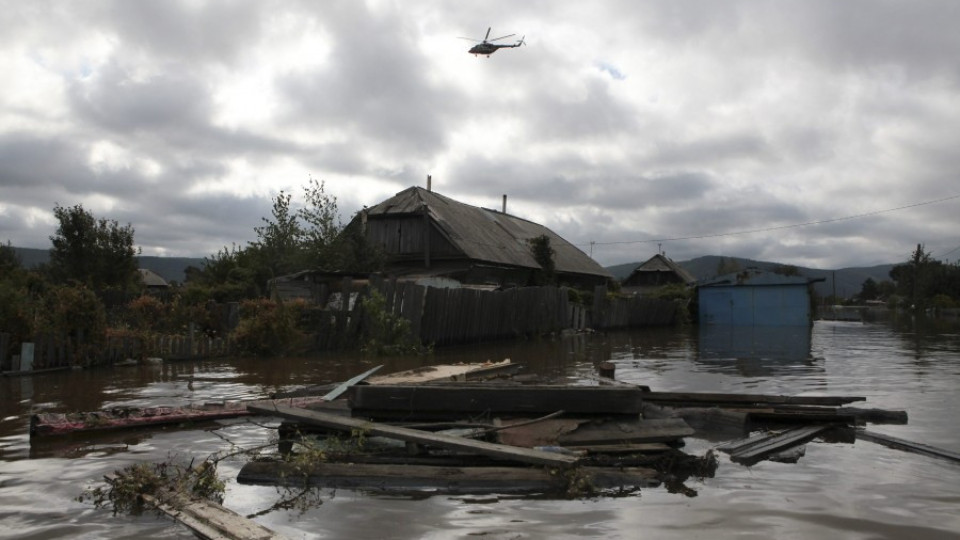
(656,272)
(753,297)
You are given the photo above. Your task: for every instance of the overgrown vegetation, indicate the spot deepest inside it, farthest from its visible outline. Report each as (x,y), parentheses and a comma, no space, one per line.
(168,483)
(385,333)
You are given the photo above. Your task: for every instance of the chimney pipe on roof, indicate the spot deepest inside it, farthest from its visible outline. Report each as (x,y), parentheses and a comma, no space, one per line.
(504,203)
(429,183)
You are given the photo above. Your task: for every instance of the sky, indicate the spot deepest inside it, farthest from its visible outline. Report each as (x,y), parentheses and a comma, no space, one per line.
(815,133)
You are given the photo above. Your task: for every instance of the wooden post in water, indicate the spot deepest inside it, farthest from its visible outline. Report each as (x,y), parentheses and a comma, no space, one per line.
(607,370)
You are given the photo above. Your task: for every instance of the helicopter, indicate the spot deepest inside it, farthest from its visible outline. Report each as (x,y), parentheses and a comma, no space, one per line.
(487,46)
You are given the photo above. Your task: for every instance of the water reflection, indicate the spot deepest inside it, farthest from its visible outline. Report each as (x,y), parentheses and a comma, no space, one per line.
(756,351)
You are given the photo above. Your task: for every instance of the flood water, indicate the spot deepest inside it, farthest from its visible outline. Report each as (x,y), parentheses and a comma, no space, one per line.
(837,490)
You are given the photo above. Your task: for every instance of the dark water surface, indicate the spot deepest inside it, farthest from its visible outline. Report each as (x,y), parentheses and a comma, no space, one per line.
(838,490)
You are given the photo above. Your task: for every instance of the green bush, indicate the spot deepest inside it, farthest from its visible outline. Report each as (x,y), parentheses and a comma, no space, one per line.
(74,312)
(269,328)
(383,332)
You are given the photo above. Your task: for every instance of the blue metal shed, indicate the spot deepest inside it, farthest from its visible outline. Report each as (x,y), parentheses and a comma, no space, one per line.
(755,298)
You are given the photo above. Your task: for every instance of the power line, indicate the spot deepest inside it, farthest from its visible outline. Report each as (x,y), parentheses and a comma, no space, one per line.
(777,228)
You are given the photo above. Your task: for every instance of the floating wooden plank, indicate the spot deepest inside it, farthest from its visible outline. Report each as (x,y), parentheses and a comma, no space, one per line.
(908,446)
(343,387)
(794,417)
(632,448)
(426,400)
(208,519)
(447,480)
(55,424)
(443,372)
(699,399)
(757,448)
(498,451)
(875,416)
(624,432)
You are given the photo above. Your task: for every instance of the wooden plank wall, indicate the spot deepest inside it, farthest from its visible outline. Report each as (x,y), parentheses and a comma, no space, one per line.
(633,311)
(463,315)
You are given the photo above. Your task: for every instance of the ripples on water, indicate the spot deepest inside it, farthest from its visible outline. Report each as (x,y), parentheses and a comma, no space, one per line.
(857,490)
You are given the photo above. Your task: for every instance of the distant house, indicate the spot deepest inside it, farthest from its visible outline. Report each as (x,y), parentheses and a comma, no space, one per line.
(756,298)
(656,272)
(152,281)
(423,233)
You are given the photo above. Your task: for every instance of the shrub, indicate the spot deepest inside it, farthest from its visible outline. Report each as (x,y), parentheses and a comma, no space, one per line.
(269,328)
(75,312)
(383,332)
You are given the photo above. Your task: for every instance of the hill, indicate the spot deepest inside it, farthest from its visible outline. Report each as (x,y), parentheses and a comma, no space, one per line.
(849,281)
(169,268)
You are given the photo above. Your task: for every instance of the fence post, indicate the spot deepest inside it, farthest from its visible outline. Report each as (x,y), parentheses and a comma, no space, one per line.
(4,351)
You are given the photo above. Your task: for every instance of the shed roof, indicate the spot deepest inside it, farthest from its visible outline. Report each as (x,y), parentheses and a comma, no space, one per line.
(757,277)
(487,235)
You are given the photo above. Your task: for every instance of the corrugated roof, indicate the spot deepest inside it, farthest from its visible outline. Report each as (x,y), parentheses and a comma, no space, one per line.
(487,235)
(152,279)
(757,277)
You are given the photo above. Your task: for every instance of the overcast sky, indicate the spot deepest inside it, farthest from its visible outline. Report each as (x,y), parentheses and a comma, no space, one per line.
(817,133)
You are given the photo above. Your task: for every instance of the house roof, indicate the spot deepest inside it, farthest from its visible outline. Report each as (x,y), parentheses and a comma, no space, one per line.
(660,263)
(152,279)
(487,235)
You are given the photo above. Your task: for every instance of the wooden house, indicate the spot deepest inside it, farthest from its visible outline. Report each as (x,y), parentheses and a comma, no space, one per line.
(423,233)
(656,272)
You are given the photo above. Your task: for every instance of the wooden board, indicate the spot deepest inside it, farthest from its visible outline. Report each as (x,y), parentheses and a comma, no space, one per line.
(448,480)
(632,448)
(53,424)
(757,448)
(208,519)
(410,401)
(699,399)
(497,451)
(626,432)
(909,446)
(441,372)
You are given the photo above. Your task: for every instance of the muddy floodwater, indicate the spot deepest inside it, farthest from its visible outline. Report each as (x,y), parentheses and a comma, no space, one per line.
(837,490)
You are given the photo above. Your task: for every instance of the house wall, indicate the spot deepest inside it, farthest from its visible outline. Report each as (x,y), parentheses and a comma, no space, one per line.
(773,305)
(404,237)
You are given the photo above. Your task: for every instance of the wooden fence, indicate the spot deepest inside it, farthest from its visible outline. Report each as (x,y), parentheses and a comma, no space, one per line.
(47,352)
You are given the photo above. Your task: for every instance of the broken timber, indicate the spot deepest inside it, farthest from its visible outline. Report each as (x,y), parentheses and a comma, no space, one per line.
(208,519)
(623,432)
(758,447)
(497,451)
(908,446)
(51,424)
(426,401)
(448,480)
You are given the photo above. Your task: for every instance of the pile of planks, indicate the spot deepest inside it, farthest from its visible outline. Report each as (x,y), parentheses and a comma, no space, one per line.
(469,438)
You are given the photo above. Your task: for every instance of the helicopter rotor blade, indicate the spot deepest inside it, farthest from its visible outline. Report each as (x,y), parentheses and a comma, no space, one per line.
(469,39)
(489,28)
(502,37)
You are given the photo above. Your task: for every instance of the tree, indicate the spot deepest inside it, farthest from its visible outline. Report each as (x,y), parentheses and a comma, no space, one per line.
(99,253)
(543,253)
(869,290)
(280,240)
(321,226)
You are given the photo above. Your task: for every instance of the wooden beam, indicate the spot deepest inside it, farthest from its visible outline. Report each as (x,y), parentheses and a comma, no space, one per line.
(404,401)
(754,449)
(497,451)
(680,399)
(207,519)
(448,480)
(908,446)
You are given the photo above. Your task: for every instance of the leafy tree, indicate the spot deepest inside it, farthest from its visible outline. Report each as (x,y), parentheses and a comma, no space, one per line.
(869,290)
(321,226)
(9,260)
(280,240)
(543,253)
(99,253)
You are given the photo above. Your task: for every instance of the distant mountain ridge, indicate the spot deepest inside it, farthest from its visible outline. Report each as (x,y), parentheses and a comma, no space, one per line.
(849,281)
(169,268)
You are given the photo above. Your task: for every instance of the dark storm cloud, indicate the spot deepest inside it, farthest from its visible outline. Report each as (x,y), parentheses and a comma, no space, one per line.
(372,88)
(28,160)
